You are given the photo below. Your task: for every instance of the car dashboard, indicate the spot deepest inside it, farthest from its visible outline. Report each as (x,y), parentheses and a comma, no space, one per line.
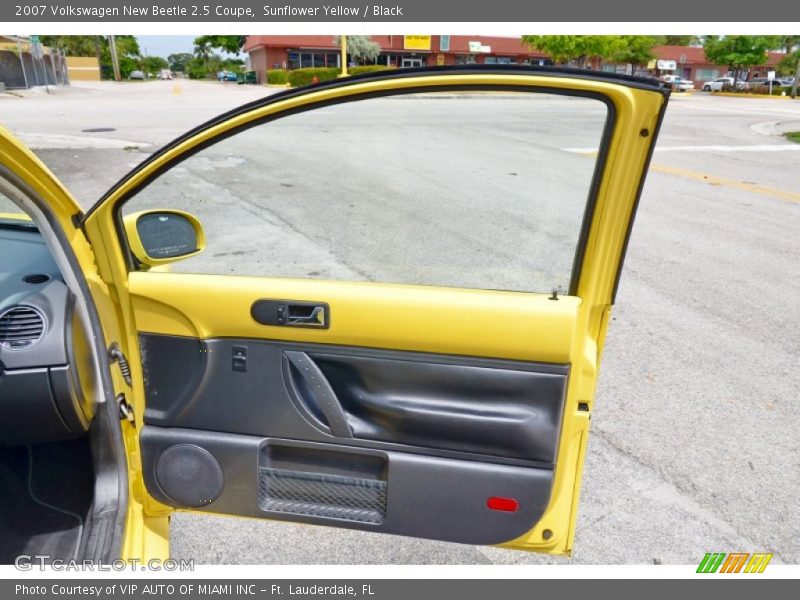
(43,348)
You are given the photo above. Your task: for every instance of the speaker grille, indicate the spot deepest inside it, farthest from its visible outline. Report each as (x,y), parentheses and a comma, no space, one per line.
(189,475)
(20,327)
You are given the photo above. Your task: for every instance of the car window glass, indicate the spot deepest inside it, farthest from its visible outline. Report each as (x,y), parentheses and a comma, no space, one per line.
(7,206)
(466,189)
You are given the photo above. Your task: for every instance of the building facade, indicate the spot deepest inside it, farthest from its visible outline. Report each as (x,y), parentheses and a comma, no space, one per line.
(691,63)
(269,52)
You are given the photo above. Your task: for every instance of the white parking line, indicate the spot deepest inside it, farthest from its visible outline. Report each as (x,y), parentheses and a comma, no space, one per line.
(42,141)
(753,148)
(738,111)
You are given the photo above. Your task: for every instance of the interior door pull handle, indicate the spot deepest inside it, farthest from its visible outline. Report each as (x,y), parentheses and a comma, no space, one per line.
(291,313)
(317,391)
(316,318)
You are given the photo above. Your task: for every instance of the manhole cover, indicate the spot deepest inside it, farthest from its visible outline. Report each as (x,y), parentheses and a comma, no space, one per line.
(98,129)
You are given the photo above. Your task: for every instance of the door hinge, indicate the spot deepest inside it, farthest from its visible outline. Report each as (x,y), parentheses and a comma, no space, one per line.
(116,356)
(125,409)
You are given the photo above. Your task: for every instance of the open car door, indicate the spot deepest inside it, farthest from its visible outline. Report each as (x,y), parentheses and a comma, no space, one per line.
(397,317)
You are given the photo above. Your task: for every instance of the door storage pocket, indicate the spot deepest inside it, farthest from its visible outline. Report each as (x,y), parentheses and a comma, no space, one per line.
(322,495)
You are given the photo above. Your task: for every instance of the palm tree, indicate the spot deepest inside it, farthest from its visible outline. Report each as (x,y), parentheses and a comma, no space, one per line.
(204,52)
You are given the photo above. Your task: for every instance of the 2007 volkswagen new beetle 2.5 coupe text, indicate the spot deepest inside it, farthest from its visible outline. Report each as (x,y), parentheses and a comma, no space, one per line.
(396,325)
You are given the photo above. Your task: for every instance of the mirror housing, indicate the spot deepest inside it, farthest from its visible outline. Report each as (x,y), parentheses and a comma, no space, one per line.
(159,237)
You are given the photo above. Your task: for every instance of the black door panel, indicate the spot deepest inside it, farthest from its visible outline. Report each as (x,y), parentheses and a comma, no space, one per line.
(493,411)
(388,492)
(510,411)
(397,442)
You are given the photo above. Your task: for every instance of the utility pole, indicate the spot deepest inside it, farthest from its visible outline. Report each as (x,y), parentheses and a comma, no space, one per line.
(796,76)
(344,56)
(112,46)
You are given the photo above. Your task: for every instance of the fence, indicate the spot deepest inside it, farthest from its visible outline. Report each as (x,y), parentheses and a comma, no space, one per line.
(20,70)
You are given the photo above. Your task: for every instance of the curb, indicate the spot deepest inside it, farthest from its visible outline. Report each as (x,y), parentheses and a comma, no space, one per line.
(761,96)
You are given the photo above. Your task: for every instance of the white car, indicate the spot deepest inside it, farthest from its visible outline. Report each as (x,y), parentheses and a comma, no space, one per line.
(721,83)
(678,84)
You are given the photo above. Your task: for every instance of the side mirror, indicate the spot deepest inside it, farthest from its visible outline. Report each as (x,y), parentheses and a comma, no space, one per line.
(158,237)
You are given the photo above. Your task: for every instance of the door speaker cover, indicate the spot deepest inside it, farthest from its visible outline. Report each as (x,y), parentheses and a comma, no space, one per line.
(189,475)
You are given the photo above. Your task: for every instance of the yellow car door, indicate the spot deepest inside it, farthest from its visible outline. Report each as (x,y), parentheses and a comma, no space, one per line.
(385,302)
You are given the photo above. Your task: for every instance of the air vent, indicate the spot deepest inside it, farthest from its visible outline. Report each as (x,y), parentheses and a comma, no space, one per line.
(35,278)
(20,327)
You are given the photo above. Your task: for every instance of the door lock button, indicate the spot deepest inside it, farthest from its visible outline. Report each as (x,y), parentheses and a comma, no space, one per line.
(239,358)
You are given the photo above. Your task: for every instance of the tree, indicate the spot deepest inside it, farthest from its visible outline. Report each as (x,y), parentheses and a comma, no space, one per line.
(72,45)
(202,67)
(233,64)
(574,48)
(680,40)
(89,45)
(739,52)
(790,65)
(789,43)
(232,44)
(207,63)
(203,51)
(177,62)
(153,64)
(361,48)
(196,69)
(633,49)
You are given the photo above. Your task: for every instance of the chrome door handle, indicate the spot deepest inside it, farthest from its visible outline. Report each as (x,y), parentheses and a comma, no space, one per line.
(291,313)
(297,315)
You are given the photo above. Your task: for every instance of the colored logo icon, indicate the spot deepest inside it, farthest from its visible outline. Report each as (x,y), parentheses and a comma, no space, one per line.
(735,562)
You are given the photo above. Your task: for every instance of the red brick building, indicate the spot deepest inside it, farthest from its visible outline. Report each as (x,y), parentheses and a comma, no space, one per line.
(691,63)
(295,51)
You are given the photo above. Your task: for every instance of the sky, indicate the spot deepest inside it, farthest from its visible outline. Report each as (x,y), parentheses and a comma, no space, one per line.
(164,45)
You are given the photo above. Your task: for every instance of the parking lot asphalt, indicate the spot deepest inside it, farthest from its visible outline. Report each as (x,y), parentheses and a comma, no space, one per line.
(695,442)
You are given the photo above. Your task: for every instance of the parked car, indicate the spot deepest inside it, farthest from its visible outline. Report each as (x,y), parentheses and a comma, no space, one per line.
(137,75)
(165,74)
(722,83)
(677,83)
(670,79)
(226,76)
(758,82)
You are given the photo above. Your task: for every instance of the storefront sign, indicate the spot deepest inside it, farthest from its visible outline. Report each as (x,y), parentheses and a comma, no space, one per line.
(417,42)
(478,48)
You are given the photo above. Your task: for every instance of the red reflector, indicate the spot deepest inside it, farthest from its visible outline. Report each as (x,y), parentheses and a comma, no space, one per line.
(506,504)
